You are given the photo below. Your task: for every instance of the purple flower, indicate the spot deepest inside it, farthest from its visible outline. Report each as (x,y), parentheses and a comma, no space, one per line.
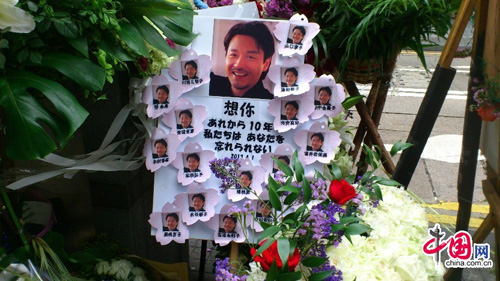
(226,170)
(215,3)
(320,222)
(223,271)
(320,251)
(279,9)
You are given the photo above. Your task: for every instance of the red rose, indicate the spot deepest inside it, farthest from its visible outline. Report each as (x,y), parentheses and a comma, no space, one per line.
(487,113)
(271,254)
(341,191)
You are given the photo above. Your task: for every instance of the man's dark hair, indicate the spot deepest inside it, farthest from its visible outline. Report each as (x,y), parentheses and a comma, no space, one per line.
(199,195)
(327,89)
(231,217)
(164,88)
(319,135)
(187,112)
(286,158)
(248,174)
(162,141)
(174,215)
(194,155)
(293,70)
(192,63)
(259,32)
(292,103)
(301,28)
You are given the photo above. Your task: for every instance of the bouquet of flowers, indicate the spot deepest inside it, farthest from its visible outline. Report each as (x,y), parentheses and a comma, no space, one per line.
(311,213)
(487,99)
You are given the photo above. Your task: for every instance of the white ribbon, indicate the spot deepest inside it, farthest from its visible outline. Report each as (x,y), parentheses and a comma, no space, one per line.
(103,158)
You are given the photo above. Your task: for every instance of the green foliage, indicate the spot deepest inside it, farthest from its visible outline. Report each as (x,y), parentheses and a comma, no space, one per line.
(88,42)
(367,29)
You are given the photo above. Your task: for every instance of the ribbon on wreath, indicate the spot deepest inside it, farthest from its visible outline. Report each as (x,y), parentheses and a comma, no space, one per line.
(103,158)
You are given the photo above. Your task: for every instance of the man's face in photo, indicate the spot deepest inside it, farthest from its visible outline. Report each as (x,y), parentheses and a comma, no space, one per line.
(162,96)
(324,97)
(185,120)
(290,78)
(229,225)
(190,71)
(297,36)
(244,64)
(316,143)
(198,203)
(193,164)
(290,112)
(161,150)
(245,180)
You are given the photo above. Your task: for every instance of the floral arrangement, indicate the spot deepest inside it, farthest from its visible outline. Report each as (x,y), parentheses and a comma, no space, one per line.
(393,251)
(312,214)
(120,270)
(487,99)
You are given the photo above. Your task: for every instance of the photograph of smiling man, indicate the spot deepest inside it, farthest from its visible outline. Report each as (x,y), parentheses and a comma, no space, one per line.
(242,53)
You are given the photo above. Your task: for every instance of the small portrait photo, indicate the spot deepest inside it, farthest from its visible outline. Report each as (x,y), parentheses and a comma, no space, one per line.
(184,119)
(264,211)
(283,158)
(189,70)
(160,148)
(191,162)
(246,178)
(323,97)
(171,222)
(289,79)
(161,95)
(196,202)
(296,35)
(289,110)
(315,141)
(227,225)
(242,53)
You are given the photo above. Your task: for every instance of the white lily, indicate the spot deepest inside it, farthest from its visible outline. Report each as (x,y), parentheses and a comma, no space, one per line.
(16,18)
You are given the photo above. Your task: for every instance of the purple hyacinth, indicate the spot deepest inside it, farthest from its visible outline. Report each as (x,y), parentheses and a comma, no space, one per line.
(223,271)
(226,170)
(321,219)
(279,9)
(320,251)
(215,3)
(319,190)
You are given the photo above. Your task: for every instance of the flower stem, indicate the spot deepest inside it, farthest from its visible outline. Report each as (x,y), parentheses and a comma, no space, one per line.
(14,218)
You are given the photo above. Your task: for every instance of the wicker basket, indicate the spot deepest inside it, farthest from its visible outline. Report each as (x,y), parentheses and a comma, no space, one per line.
(363,72)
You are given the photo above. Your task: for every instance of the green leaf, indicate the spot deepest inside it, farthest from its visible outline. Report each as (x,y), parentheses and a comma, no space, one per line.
(2,61)
(275,199)
(289,188)
(356,229)
(269,232)
(133,39)
(264,246)
(20,255)
(321,275)
(313,261)
(67,29)
(56,243)
(114,49)
(272,273)
(291,198)
(265,225)
(283,167)
(336,172)
(289,276)
(385,181)
(80,70)
(325,176)
(306,187)
(399,146)
(4,43)
(297,166)
(346,220)
(377,190)
(81,45)
(27,120)
(35,57)
(351,101)
(283,249)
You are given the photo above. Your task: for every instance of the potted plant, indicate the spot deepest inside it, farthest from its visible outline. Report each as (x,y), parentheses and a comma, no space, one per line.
(375,31)
(53,52)
(487,99)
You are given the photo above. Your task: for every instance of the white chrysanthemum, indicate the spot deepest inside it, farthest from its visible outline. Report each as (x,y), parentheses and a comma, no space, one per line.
(16,18)
(102,268)
(393,251)
(256,274)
